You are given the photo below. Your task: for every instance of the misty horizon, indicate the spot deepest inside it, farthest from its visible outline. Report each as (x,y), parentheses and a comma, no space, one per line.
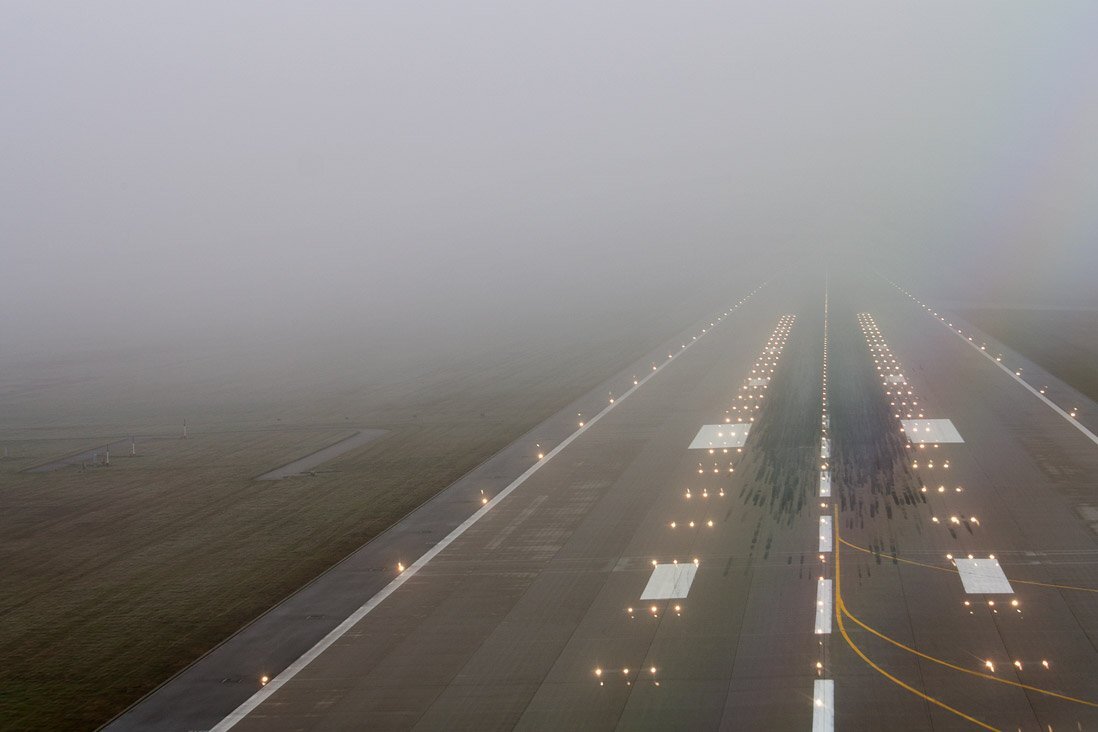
(176,174)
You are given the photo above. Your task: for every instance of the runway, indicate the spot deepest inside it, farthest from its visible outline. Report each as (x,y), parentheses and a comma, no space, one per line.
(736,534)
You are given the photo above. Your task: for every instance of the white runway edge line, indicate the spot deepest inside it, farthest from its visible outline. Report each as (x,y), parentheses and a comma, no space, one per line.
(823,705)
(1051,404)
(1056,408)
(264,692)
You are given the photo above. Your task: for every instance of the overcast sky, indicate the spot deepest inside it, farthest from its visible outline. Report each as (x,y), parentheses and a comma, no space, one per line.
(250,165)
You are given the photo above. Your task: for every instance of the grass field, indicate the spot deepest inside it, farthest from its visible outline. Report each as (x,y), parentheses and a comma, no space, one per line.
(1065,342)
(116,577)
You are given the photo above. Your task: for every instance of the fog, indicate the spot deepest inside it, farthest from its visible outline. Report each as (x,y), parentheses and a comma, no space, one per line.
(174,172)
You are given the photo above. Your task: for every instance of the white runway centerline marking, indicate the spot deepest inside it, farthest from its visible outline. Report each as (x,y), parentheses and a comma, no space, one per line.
(825,484)
(669,582)
(825,448)
(720,435)
(823,705)
(823,607)
(928,431)
(825,534)
(983,577)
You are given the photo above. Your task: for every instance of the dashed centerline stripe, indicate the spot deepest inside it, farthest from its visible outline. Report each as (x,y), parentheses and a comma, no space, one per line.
(823,707)
(823,690)
(823,606)
(825,534)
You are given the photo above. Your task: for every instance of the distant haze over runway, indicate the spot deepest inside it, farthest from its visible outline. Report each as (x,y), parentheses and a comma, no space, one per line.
(177,170)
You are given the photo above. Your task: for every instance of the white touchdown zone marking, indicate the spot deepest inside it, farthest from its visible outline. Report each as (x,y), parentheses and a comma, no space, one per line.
(669,582)
(825,483)
(929,431)
(288,673)
(983,577)
(721,435)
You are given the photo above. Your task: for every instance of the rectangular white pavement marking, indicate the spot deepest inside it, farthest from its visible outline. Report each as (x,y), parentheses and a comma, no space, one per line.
(823,705)
(669,582)
(921,431)
(823,607)
(825,483)
(825,448)
(895,379)
(720,435)
(825,534)
(983,577)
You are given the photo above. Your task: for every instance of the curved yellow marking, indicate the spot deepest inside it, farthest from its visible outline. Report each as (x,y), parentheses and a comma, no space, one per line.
(962,669)
(954,570)
(839,610)
(840,607)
